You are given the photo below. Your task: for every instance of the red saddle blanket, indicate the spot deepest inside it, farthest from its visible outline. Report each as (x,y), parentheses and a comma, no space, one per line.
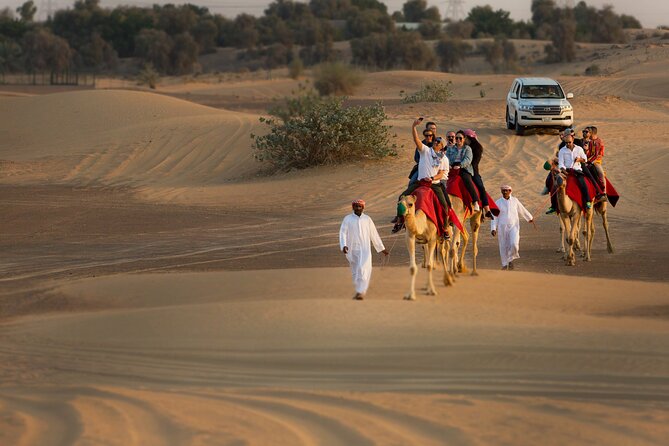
(574,192)
(456,187)
(427,201)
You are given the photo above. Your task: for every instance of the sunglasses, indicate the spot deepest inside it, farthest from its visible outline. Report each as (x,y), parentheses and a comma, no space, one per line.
(428,135)
(459,138)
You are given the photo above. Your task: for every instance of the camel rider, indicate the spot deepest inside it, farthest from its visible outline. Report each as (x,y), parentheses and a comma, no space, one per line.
(570,158)
(461,156)
(595,152)
(429,135)
(432,167)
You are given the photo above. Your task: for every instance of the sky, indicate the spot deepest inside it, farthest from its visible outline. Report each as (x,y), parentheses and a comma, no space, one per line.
(650,13)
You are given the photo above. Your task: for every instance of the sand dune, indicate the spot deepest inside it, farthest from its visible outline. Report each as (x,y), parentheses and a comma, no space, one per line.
(123,138)
(273,357)
(154,289)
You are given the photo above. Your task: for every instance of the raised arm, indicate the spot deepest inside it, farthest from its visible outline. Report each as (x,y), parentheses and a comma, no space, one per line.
(416,138)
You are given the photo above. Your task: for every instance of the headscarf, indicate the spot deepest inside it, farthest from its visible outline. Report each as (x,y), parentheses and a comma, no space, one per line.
(359,201)
(506,186)
(469,133)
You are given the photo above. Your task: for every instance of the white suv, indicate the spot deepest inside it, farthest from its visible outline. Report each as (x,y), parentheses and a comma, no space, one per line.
(537,102)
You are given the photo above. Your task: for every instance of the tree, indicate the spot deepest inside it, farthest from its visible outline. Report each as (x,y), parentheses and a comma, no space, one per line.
(183,57)
(490,23)
(154,46)
(245,32)
(98,53)
(630,22)
(124,24)
(45,51)
(205,33)
(563,48)
(500,54)
(398,50)
(543,12)
(27,11)
(10,55)
(365,22)
(175,19)
(460,29)
(414,10)
(451,52)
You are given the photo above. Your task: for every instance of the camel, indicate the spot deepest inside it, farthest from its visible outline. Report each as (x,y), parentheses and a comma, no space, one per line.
(570,214)
(421,230)
(457,253)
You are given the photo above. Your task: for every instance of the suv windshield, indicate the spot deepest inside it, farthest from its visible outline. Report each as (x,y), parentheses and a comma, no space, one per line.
(541,92)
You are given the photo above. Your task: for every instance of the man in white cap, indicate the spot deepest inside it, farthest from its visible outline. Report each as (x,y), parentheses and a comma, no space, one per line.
(507,226)
(355,235)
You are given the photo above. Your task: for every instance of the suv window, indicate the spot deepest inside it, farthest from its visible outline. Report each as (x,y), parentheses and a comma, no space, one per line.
(541,92)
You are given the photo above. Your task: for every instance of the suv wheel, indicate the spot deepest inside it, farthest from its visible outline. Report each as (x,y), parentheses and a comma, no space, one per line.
(509,124)
(520,129)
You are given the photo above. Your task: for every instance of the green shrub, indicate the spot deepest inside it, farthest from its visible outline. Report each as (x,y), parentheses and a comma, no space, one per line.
(296,68)
(321,131)
(148,76)
(434,91)
(336,78)
(592,70)
(482,93)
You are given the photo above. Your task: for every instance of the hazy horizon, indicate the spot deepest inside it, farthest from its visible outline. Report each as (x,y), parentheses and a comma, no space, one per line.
(649,12)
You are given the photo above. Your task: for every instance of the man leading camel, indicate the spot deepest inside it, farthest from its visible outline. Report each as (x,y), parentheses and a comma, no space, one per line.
(355,235)
(507,226)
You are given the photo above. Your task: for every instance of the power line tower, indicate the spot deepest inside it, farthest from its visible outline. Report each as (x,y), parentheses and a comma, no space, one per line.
(455,10)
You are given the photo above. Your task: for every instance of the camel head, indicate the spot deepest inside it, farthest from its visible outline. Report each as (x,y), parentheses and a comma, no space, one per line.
(561,180)
(406,205)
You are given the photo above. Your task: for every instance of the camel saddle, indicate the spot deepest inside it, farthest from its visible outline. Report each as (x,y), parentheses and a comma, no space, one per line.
(456,186)
(574,192)
(427,201)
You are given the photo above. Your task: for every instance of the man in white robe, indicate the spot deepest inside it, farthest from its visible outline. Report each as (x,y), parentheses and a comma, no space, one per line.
(355,235)
(507,226)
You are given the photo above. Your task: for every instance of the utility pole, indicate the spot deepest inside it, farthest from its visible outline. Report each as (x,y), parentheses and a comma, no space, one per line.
(455,10)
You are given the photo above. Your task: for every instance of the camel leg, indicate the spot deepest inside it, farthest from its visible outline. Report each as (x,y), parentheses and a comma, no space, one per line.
(413,268)
(587,235)
(605,223)
(454,251)
(569,253)
(431,290)
(461,260)
(562,236)
(476,225)
(575,226)
(445,259)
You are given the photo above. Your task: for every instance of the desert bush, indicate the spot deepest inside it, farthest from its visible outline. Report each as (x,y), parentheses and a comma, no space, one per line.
(336,78)
(592,70)
(148,76)
(433,91)
(482,93)
(296,68)
(321,131)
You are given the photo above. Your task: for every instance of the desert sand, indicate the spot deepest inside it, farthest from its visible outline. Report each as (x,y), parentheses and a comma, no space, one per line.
(158,287)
